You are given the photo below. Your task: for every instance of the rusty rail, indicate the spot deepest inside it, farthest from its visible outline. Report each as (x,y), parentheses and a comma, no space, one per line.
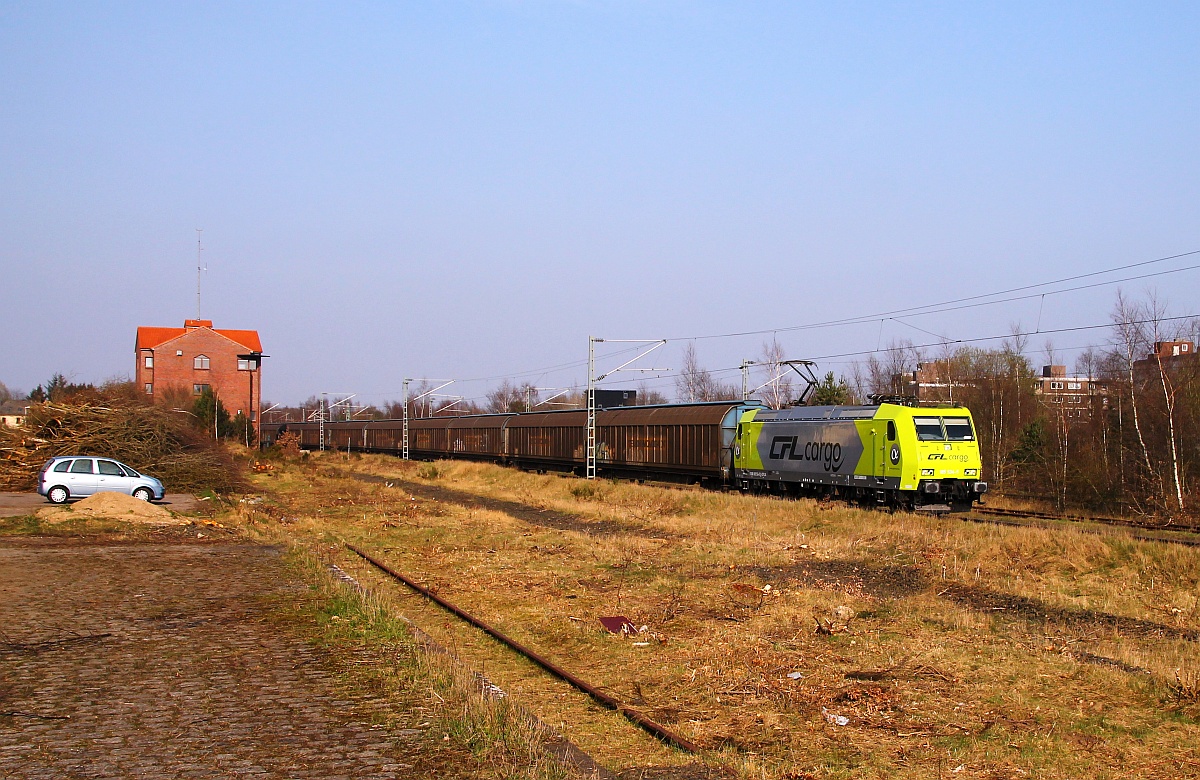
(1012,517)
(657,729)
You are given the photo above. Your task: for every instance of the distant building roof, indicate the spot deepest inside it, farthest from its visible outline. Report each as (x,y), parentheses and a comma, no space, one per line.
(152,338)
(15,406)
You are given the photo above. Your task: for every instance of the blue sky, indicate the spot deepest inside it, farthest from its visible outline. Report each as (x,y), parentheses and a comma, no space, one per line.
(471,189)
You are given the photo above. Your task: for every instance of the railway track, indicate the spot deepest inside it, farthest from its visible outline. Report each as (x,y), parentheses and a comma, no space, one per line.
(652,727)
(1188,535)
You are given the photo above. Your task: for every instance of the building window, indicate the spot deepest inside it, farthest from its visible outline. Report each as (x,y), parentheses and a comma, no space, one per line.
(149,361)
(179,353)
(199,389)
(1056,385)
(201,362)
(246,365)
(1074,386)
(149,388)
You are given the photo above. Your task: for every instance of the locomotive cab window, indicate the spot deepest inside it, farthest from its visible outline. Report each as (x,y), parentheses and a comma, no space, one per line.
(929,429)
(959,429)
(891,430)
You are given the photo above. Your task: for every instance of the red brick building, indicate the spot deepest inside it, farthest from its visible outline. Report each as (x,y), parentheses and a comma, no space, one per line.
(1077,398)
(196,357)
(1173,355)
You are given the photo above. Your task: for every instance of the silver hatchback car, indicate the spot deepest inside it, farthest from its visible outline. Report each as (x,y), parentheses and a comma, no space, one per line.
(65,477)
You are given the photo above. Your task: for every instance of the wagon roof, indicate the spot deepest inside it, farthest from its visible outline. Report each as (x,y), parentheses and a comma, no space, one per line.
(689,414)
(705,413)
(480,421)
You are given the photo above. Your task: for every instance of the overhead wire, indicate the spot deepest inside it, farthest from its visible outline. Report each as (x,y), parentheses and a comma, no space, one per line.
(948,306)
(955,304)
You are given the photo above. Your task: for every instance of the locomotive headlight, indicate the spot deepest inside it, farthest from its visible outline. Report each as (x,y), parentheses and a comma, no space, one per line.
(970,472)
(926,472)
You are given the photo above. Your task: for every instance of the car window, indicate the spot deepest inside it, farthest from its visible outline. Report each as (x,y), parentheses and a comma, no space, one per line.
(128,471)
(929,429)
(62,466)
(959,429)
(82,466)
(109,468)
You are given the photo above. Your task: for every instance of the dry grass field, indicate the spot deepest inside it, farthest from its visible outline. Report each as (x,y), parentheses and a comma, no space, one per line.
(790,639)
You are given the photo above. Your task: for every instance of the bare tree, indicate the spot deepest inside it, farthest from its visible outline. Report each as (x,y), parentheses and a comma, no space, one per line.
(1156,311)
(779,390)
(860,381)
(647,395)
(1130,340)
(1087,364)
(1051,353)
(576,398)
(695,383)
(510,397)
(886,372)
(997,385)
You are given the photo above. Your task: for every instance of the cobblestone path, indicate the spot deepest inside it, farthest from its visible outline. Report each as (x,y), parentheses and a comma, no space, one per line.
(163,661)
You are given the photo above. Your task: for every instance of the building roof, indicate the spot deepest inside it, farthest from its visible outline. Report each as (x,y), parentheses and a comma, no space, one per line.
(14,406)
(152,338)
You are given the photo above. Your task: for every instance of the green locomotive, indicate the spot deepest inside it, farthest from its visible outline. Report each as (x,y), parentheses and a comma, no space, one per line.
(918,458)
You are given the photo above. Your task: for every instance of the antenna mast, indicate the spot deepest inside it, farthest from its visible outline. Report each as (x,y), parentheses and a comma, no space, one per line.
(199,269)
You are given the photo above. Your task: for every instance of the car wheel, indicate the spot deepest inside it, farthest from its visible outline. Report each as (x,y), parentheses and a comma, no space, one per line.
(143,494)
(58,494)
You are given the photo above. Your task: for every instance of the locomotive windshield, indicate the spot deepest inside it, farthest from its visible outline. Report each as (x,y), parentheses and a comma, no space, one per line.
(959,429)
(956,429)
(929,429)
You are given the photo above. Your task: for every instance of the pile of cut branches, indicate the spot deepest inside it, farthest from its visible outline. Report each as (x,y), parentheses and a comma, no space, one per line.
(153,439)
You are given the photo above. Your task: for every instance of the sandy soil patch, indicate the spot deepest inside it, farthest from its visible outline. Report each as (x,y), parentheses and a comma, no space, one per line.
(112,506)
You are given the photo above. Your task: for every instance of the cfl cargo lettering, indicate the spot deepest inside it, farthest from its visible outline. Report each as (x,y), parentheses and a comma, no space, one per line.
(829,454)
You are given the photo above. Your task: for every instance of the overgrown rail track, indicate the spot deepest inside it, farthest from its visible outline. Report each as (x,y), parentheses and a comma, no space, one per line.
(1185,534)
(652,727)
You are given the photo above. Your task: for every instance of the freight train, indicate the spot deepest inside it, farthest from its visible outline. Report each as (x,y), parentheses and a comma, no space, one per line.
(886,454)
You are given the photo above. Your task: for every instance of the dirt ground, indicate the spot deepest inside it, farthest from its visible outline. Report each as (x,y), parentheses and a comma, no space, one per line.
(171,660)
(19,504)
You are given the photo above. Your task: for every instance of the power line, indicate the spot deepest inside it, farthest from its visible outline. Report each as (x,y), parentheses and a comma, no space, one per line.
(667,378)
(979,339)
(953,305)
(956,304)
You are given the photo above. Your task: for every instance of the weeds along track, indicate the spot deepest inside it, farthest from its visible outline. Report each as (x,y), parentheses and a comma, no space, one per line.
(1184,534)
(1188,535)
(641,720)
(554,743)
(560,521)
(785,639)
